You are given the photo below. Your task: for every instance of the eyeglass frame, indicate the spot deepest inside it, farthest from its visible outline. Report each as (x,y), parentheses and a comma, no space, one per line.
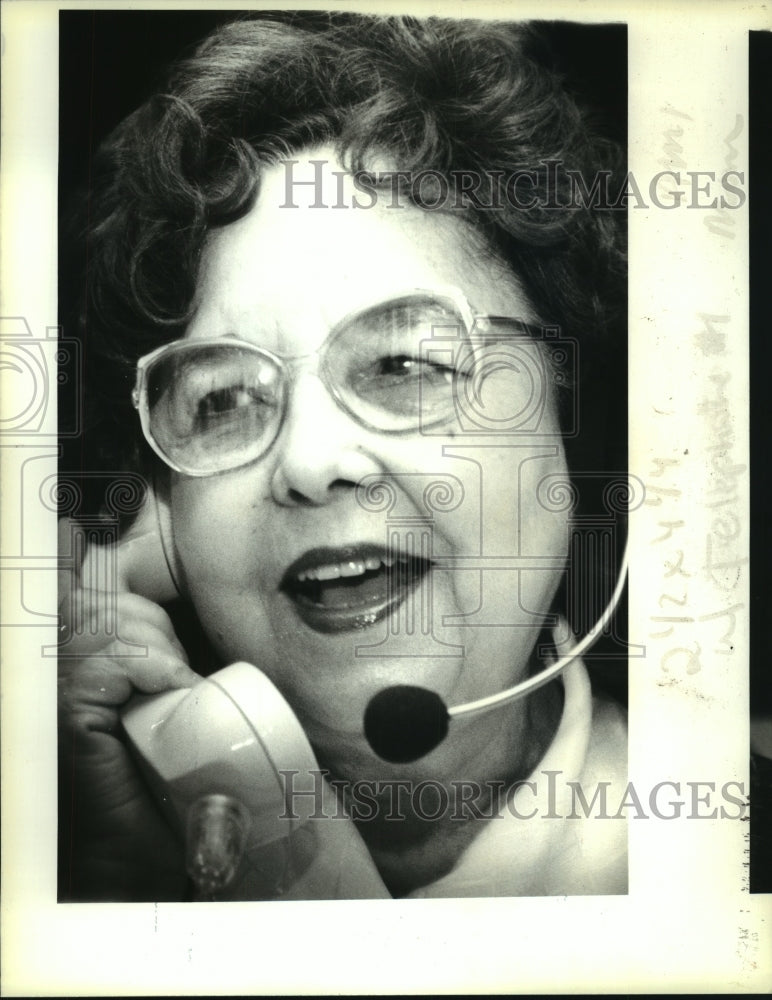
(468,316)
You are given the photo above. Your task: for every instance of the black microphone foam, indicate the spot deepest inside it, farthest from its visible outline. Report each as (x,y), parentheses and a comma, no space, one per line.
(404,722)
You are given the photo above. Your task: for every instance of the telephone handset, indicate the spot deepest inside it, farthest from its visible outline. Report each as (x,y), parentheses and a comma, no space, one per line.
(213,755)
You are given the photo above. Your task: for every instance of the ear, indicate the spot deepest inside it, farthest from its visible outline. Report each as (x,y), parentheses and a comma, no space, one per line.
(147,559)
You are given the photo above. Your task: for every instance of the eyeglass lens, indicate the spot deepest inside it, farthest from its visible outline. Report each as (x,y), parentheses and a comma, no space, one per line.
(213,406)
(394,367)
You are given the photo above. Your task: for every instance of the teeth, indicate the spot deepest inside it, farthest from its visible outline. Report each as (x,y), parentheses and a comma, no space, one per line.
(355,567)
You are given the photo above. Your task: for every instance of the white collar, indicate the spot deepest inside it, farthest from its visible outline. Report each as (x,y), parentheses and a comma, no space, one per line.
(548,854)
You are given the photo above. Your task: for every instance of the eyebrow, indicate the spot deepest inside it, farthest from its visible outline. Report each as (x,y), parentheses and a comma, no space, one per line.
(394,309)
(403,311)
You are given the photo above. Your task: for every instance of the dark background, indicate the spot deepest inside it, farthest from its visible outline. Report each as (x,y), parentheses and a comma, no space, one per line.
(760,248)
(760,191)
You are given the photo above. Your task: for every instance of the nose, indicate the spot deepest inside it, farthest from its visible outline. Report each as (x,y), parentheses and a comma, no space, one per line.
(321,451)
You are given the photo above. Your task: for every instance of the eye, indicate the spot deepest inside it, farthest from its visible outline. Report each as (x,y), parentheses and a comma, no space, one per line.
(403,384)
(403,367)
(225,401)
(396,364)
(241,410)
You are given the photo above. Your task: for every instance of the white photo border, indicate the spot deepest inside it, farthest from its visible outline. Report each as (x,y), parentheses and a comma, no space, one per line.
(688,922)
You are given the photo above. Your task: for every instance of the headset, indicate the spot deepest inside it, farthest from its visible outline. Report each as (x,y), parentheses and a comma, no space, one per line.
(405,722)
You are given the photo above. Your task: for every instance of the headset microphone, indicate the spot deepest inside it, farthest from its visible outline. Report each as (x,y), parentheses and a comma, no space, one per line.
(406,722)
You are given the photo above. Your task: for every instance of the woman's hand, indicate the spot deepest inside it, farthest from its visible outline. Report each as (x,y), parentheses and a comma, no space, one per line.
(115,843)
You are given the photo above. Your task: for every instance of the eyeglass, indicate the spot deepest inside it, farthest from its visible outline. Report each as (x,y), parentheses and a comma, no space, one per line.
(209,406)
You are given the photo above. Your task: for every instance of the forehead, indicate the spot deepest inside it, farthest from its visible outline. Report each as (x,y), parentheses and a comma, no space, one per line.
(305,256)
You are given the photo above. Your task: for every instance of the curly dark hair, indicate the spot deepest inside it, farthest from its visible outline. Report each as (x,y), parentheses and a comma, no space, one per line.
(436,94)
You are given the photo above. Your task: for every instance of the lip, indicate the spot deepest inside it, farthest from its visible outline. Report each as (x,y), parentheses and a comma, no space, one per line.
(394,584)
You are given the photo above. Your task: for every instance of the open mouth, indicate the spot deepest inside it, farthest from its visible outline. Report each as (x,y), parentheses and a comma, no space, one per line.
(339,590)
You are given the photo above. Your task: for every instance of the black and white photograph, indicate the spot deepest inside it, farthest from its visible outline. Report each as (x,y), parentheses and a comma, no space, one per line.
(394,248)
(378,542)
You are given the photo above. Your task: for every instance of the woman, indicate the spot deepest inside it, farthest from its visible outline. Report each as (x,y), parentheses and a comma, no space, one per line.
(341,259)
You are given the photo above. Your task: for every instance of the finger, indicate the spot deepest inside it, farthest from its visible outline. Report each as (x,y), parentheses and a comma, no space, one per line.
(92,619)
(103,681)
(125,608)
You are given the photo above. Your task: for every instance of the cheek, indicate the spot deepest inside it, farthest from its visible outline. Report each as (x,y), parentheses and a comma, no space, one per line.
(222,544)
(543,523)
(216,537)
(513,498)
(521,524)
(511,528)
(543,501)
